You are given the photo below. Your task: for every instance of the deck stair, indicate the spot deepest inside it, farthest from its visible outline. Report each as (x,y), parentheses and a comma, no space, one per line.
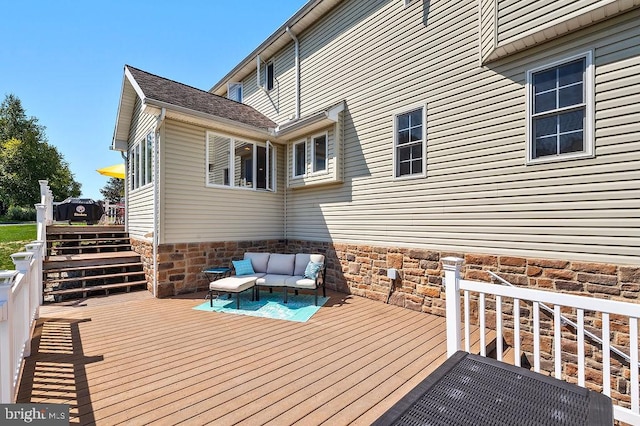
(83,260)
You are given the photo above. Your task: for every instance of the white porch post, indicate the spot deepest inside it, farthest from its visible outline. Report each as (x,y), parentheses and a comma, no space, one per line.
(41,220)
(451,267)
(6,282)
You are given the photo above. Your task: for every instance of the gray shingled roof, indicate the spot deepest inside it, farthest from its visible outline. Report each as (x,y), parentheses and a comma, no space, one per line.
(171,92)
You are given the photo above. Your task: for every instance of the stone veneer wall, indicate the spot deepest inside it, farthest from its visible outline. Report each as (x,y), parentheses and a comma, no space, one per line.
(362,270)
(180,265)
(145,250)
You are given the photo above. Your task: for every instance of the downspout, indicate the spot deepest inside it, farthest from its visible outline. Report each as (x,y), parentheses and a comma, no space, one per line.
(296,44)
(156,197)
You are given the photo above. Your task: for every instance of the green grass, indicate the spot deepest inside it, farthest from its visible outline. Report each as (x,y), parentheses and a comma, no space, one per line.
(12,240)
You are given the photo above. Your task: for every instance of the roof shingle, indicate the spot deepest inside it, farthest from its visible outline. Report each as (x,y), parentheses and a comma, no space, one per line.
(171,92)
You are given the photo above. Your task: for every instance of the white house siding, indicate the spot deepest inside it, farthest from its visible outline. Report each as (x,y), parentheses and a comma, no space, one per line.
(140,200)
(478,196)
(193,212)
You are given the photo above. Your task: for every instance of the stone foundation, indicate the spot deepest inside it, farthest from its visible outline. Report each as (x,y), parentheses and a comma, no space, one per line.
(145,250)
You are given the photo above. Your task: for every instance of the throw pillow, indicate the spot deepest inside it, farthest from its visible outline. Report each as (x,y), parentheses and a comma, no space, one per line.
(243,267)
(312,270)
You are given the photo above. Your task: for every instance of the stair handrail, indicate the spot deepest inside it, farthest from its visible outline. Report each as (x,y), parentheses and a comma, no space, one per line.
(566,320)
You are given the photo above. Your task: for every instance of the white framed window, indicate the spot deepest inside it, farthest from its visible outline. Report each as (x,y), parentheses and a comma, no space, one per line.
(141,162)
(560,110)
(410,142)
(300,159)
(234,91)
(238,163)
(319,153)
(269,76)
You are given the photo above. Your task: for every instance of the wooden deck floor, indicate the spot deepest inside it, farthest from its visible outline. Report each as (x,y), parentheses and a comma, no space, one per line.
(132,359)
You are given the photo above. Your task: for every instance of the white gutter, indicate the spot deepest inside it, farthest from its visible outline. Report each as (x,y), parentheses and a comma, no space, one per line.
(156,197)
(296,44)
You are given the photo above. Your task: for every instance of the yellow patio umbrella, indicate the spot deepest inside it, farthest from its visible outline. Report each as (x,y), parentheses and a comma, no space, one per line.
(116,171)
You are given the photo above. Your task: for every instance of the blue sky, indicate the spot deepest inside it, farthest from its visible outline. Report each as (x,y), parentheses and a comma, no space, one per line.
(64,60)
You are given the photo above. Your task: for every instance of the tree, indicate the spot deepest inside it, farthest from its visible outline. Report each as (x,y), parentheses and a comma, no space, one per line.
(113,191)
(26,157)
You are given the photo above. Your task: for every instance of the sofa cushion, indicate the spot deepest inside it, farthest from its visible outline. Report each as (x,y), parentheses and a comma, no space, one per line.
(258,260)
(298,281)
(273,280)
(281,264)
(312,269)
(302,260)
(243,267)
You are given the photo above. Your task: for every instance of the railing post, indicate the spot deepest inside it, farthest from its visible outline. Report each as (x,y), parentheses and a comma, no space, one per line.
(22,260)
(36,292)
(6,370)
(451,267)
(41,219)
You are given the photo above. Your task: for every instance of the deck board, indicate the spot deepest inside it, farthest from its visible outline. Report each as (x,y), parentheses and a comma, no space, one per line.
(133,359)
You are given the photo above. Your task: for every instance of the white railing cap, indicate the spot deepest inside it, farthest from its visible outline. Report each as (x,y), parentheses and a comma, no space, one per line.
(7,277)
(452,261)
(34,245)
(21,256)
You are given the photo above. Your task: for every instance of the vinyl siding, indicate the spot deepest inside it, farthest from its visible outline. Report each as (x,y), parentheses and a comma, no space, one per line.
(193,212)
(479,195)
(328,176)
(518,16)
(139,200)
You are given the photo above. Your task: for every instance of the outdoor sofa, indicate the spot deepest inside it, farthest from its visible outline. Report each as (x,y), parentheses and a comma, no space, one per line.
(301,271)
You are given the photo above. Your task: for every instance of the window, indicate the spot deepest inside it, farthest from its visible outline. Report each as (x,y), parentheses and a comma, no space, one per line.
(319,153)
(300,159)
(409,143)
(269,76)
(141,162)
(240,164)
(559,105)
(234,91)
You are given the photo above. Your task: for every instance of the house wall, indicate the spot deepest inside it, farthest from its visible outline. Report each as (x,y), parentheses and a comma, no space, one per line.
(140,200)
(192,212)
(479,196)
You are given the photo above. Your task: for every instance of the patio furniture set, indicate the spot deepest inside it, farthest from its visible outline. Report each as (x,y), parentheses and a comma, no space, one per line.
(301,271)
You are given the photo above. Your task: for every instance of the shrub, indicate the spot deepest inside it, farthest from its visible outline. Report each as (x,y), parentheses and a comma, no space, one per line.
(21,214)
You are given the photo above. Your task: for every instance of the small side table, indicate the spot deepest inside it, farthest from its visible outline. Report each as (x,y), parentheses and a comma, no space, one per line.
(215,273)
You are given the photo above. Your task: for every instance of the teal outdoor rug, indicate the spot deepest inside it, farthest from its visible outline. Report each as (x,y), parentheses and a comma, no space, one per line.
(298,308)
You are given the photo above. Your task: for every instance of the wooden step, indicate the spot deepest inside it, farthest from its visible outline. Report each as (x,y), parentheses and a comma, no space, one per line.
(89,246)
(89,259)
(94,288)
(93,277)
(79,230)
(83,240)
(92,267)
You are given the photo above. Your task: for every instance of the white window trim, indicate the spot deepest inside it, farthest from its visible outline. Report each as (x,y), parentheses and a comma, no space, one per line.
(589,87)
(324,171)
(270,165)
(405,110)
(306,163)
(142,165)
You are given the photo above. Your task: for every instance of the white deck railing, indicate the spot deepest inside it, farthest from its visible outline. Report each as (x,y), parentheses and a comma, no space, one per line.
(113,214)
(455,288)
(20,300)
